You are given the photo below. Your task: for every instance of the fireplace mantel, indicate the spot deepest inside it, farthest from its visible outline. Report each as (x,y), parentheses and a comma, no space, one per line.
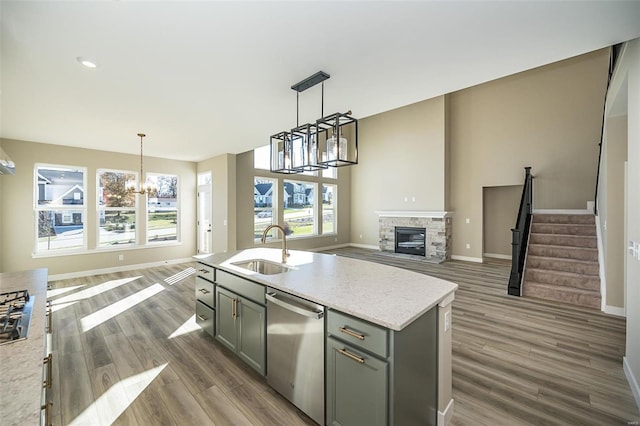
(413,213)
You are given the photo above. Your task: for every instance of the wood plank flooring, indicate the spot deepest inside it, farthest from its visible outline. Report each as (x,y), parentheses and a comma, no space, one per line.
(516,361)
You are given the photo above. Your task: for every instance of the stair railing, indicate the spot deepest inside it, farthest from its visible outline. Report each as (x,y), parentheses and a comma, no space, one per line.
(520,235)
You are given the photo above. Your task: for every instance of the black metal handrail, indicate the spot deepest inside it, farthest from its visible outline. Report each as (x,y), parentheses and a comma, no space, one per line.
(520,235)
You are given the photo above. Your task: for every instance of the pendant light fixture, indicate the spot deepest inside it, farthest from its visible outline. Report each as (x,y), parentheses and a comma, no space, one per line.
(142,187)
(306,147)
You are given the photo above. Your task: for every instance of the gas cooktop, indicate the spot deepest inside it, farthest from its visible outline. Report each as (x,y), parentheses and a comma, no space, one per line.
(15,315)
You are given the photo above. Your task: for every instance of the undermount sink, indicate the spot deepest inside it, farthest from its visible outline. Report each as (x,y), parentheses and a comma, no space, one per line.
(263,267)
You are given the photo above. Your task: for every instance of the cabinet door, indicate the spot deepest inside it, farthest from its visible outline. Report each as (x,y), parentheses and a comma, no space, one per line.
(252,334)
(226,318)
(356,387)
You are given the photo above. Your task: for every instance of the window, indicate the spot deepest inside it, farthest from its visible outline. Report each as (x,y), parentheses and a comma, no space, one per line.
(162,208)
(263,211)
(299,212)
(329,199)
(116,208)
(262,158)
(60,208)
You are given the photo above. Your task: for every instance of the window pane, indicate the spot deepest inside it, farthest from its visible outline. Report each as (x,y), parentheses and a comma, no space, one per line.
(328,209)
(298,206)
(117,227)
(112,189)
(60,186)
(331,173)
(204,178)
(162,208)
(263,193)
(60,230)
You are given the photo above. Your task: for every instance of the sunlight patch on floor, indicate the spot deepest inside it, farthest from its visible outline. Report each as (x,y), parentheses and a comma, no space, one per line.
(180,276)
(94,290)
(111,311)
(188,327)
(111,404)
(58,291)
(60,306)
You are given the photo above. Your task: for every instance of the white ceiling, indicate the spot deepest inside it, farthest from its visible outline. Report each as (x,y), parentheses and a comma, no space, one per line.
(206,78)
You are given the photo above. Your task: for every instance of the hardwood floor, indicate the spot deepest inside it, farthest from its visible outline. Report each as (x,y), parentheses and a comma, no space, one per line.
(126,352)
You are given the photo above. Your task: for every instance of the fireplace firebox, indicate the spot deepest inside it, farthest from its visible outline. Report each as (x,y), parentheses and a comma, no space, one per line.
(410,240)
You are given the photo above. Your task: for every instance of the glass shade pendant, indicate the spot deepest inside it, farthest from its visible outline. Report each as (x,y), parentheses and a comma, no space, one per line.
(282,153)
(142,187)
(340,132)
(307,148)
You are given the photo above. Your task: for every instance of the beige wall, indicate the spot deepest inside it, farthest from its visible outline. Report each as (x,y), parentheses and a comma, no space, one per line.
(625,89)
(499,203)
(612,217)
(223,201)
(548,118)
(244,202)
(17,209)
(401,156)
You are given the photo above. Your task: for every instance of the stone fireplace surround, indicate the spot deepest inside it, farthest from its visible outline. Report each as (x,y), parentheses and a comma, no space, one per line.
(438,231)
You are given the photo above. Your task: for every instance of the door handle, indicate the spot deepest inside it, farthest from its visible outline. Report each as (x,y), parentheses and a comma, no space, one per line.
(352,356)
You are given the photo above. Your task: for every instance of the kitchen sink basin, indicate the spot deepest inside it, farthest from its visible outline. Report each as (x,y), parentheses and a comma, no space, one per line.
(263,267)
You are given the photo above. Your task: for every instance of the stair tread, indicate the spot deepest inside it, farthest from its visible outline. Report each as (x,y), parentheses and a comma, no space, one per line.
(562,273)
(568,289)
(564,235)
(564,247)
(562,259)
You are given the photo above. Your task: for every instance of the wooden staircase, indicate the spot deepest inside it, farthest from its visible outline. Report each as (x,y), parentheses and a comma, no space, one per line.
(562,260)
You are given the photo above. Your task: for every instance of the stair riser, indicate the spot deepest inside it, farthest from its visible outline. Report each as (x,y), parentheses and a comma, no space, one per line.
(558,295)
(564,218)
(564,229)
(584,282)
(564,240)
(564,266)
(562,252)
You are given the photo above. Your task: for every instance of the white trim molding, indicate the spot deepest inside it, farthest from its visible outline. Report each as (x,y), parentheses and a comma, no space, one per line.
(412,213)
(601,271)
(497,256)
(566,211)
(89,273)
(444,417)
(614,310)
(336,246)
(365,246)
(467,258)
(633,383)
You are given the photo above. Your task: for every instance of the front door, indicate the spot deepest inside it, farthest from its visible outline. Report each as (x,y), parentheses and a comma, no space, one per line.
(204,219)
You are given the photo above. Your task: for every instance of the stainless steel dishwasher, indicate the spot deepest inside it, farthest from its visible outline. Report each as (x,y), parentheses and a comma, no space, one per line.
(295,351)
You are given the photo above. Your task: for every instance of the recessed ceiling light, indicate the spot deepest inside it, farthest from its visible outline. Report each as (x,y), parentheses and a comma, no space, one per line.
(89,63)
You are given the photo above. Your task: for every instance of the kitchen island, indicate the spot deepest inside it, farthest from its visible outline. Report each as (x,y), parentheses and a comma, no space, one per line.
(21,368)
(405,315)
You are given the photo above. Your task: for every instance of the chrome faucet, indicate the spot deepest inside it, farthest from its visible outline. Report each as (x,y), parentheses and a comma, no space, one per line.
(284,240)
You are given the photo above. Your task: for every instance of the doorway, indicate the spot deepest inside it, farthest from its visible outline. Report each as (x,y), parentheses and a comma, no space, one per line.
(205,234)
(500,209)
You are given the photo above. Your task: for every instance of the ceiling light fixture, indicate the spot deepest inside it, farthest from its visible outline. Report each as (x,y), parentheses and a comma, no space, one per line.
(143,187)
(315,146)
(89,63)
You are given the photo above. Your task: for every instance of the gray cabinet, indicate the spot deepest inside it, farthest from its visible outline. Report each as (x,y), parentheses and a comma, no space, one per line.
(205,303)
(377,376)
(356,386)
(241,327)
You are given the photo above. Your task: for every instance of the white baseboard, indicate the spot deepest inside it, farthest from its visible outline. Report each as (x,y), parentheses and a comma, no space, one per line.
(562,211)
(601,271)
(497,256)
(633,383)
(466,258)
(89,273)
(614,310)
(445,417)
(365,246)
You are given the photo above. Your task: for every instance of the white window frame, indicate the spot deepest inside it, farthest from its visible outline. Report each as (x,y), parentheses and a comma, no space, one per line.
(135,208)
(314,208)
(334,209)
(37,208)
(177,209)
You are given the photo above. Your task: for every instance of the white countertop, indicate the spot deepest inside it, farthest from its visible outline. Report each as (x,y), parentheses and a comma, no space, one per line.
(381,294)
(21,361)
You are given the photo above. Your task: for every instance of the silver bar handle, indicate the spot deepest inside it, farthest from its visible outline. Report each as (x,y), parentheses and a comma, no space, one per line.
(272,297)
